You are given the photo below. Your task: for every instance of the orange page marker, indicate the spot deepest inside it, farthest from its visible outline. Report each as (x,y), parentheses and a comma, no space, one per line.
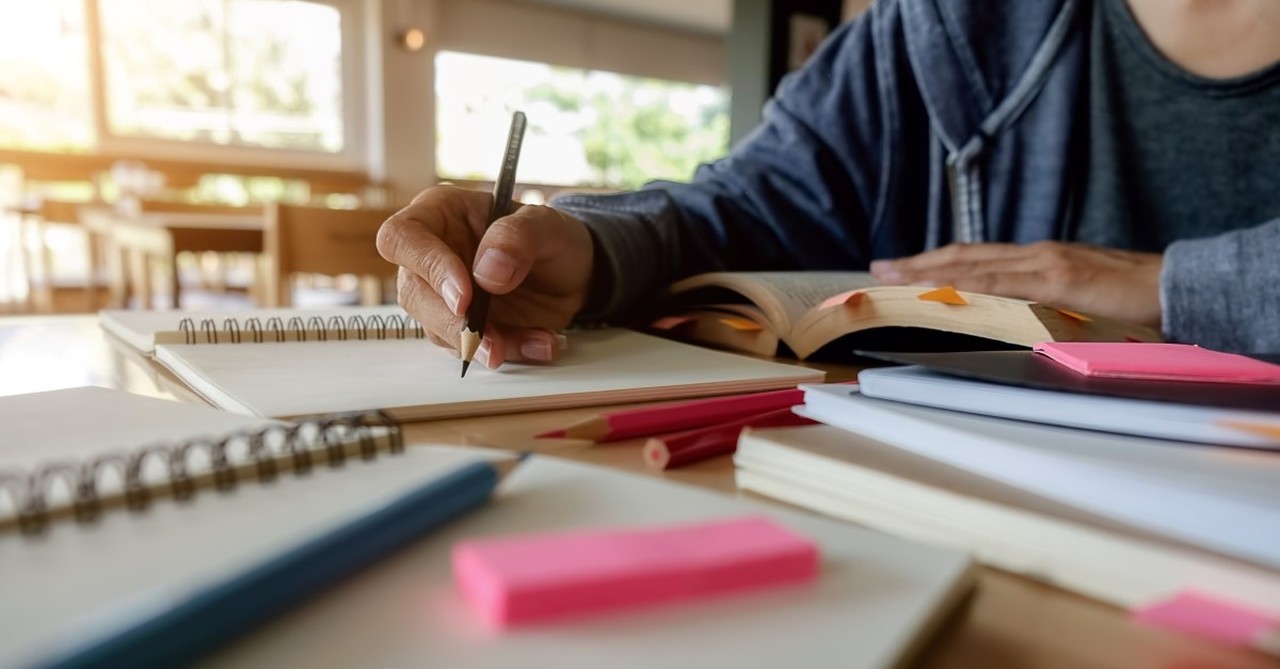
(849,297)
(1075,316)
(1261,429)
(742,324)
(945,295)
(670,322)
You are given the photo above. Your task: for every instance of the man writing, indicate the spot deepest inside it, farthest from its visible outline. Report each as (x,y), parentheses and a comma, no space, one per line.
(1110,156)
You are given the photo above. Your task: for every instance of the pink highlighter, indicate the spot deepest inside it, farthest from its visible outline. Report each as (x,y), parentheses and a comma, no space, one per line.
(534,578)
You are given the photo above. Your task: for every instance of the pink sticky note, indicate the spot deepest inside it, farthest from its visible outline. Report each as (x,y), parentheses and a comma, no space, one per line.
(536,577)
(1156,361)
(1204,616)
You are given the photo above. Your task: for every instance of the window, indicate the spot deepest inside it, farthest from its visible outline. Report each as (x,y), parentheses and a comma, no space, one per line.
(261,73)
(242,75)
(586,127)
(44,76)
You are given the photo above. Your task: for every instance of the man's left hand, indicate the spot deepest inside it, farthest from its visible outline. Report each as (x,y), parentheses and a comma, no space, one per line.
(1118,284)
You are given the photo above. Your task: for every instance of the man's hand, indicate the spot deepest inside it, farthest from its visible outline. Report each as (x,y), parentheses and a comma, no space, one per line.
(1117,284)
(536,262)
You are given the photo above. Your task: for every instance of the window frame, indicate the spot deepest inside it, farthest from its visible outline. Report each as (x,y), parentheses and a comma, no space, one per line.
(354,122)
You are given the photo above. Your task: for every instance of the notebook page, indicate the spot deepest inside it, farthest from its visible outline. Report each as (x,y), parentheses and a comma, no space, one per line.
(415,379)
(78,423)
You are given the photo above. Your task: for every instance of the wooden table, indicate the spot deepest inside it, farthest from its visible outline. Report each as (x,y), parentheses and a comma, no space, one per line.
(136,240)
(1012,621)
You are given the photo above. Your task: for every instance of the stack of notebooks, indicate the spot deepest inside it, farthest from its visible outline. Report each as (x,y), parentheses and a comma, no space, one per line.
(87,562)
(287,363)
(1129,496)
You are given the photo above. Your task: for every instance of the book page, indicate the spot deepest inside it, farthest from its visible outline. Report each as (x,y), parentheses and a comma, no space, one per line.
(786,296)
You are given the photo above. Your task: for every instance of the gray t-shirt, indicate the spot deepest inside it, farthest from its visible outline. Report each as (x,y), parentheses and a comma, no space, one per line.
(1172,155)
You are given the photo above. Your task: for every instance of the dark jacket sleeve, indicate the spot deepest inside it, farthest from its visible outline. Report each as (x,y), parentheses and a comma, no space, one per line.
(1224,292)
(800,192)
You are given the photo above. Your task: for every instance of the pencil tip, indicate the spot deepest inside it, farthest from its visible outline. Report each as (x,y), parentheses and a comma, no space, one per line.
(465,365)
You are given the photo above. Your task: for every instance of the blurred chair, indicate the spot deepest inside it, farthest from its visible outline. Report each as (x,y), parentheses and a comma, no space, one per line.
(330,242)
(156,232)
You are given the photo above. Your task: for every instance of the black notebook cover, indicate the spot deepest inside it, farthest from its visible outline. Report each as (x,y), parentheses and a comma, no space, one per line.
(1032,370)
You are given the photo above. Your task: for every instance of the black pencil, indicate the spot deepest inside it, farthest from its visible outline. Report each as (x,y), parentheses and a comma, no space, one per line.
(478,311)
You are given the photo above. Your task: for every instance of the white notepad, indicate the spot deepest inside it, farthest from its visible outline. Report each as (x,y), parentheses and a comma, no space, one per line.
(1222,499)
(1144,418)
(887,488)
(876,600)
(413,379)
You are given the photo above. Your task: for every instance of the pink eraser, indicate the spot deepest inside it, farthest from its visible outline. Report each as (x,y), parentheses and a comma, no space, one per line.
(530,578)
(1203,616)
(1166,362)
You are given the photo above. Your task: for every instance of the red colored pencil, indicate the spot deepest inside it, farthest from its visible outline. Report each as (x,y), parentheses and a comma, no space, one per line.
(667,418)
(674,450)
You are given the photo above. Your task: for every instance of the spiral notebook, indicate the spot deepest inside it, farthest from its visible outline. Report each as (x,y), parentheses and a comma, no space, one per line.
(283,366)
(142,330)
(79,452)
(876,601)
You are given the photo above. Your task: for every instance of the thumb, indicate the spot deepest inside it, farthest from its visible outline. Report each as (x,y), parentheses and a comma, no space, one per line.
(510,247)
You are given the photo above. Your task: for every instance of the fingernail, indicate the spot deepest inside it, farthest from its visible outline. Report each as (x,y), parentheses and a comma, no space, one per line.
(482,354)
(452,296)
(495,267)
(561,341)
(536,349)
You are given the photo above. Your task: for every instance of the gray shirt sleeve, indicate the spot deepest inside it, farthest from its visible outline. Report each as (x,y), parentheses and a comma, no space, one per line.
(1224,292)
(635,246)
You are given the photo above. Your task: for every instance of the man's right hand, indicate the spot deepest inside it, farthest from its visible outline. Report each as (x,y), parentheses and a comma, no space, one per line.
(536,263)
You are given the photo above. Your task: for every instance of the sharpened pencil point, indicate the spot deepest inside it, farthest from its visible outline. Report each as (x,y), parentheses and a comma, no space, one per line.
(465,365)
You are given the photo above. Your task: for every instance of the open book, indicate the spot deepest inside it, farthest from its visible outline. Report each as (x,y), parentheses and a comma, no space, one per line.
(877,599)
(804,312)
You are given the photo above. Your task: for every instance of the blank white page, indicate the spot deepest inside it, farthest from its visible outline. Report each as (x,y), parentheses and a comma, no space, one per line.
(415,379)
(78,423)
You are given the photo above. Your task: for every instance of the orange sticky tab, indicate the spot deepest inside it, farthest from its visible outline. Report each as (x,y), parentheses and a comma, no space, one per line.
(849,298)
(670,322)
(742,324)
(1075,316)
(945,295)
(1264,430)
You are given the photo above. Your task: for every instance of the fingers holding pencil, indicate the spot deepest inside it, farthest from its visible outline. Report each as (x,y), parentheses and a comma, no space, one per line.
(434,242)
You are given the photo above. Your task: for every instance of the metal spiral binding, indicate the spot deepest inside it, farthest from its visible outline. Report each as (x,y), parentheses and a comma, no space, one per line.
(301,444)
(276,329)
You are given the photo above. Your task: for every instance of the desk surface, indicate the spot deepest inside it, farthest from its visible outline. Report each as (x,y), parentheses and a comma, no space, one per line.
(1013,621)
